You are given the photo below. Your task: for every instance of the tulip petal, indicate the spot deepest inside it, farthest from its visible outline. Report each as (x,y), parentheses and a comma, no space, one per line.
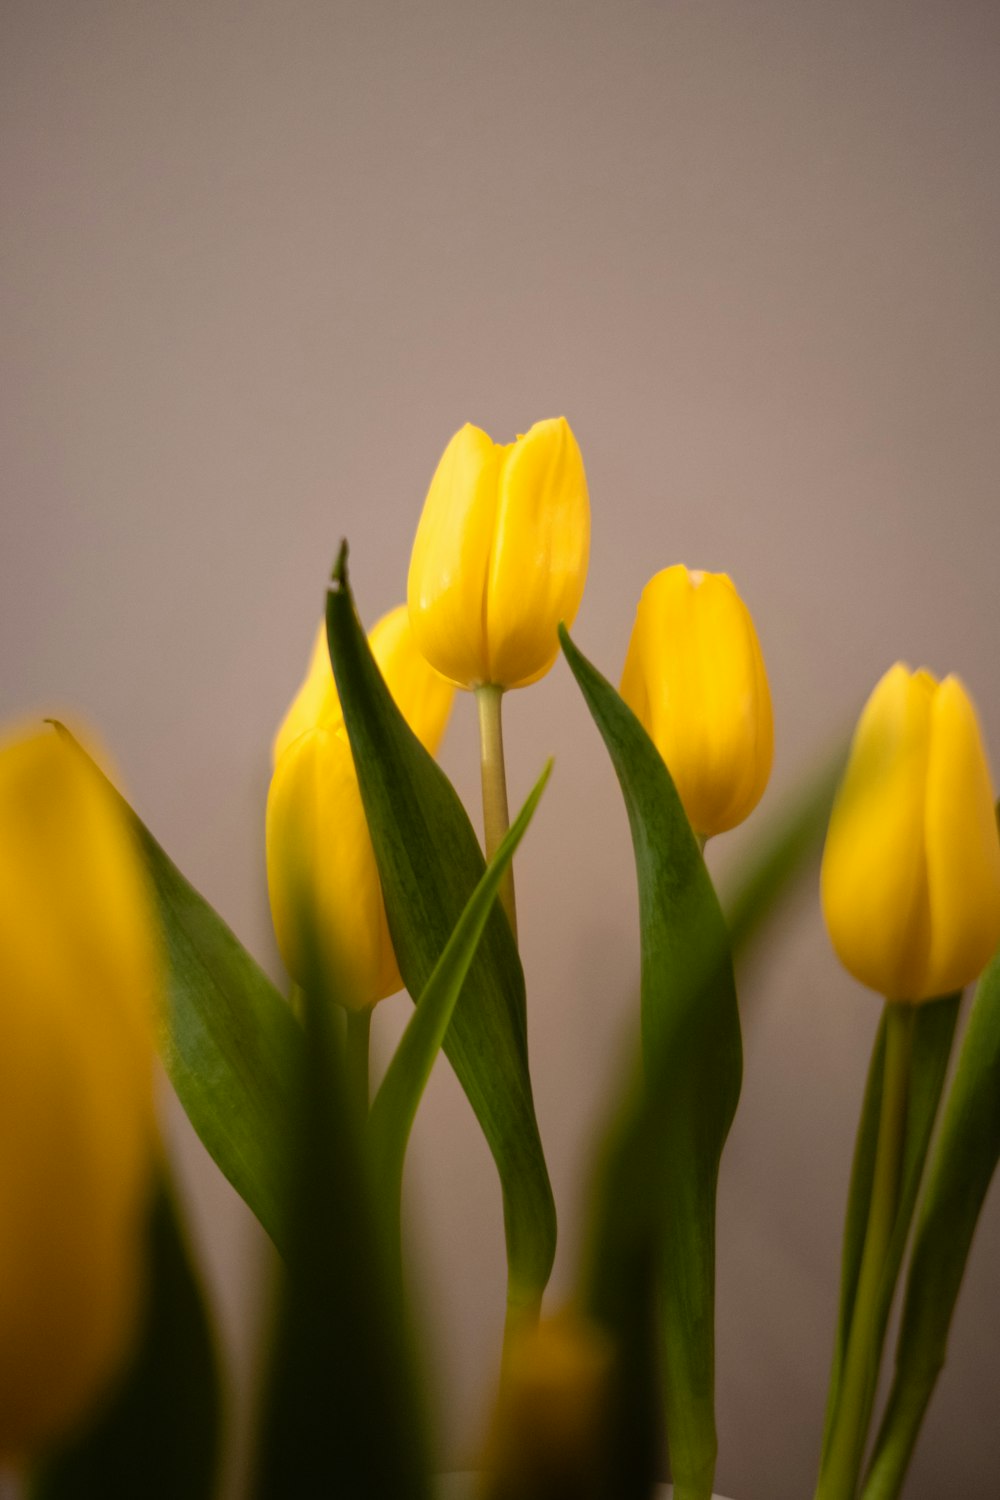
(449,566)
(79,973)
(316,701)
(538,563)
(421,694)
(695,678)
(874,878)
(962,843)
(321,866)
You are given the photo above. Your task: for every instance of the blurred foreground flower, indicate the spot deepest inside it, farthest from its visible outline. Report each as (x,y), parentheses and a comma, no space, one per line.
(694,677)
(78,981)
(321,871)
(500,555)
(550,1426)
(911,868)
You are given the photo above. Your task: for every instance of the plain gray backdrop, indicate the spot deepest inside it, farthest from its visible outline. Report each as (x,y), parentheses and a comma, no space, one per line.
(260,260)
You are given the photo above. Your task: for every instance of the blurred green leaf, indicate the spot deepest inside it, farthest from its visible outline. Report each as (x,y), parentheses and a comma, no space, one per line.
(430,862)
(790,840)
(662,1173)
(342,1415)
(395,1105)
(229,1041)
(934,1029)
(158,1434)
(962,1166)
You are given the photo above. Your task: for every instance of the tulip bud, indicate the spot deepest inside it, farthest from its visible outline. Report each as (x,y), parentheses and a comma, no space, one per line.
(423,696)
(549,1434)
(325,892)
(694,676)
(911,869)
(326,897)
(78,978)
(500,555)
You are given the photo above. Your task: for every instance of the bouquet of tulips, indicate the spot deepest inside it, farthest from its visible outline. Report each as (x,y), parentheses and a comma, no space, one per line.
(108,1379)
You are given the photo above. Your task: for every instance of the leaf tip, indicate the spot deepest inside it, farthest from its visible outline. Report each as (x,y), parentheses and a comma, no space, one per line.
(338,575)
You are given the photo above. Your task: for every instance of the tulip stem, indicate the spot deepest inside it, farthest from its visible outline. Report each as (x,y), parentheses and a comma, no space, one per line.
(839,1477)
(496,817)
(359,1025)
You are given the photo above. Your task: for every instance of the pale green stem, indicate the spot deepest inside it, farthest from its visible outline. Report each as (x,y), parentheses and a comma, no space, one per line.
(496,817)
(840,1474)
(359,1024)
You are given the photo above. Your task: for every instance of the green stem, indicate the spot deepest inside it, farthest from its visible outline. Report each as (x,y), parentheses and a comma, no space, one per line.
(496,817)
(839,1477)
(359,1023)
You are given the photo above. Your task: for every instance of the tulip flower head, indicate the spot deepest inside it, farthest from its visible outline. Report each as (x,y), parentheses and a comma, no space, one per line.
(79,974)
(694,677)
(326,897)
(911,870)
(500,555)
(423,696)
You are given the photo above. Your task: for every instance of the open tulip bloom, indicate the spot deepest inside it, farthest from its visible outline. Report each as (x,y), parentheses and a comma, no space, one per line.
(109,1381)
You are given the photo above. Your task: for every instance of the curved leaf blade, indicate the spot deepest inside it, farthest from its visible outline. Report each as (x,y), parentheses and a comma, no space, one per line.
(429,863)
(395,1105)
(964,1161)
(693,1059)
(933,1032)
(230,1044)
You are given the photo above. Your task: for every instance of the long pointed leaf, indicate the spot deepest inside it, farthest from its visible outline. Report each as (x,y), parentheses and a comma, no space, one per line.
(158,1436)
(230,1044)
(429,862)
(934,1030)
(964,1161)
(343,1412)
(395,1105)
(693,1058)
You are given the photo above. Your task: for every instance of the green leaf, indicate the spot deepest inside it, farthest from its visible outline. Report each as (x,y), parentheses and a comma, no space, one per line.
(933,1031)
(962,1166)
(430,862)
(395,1105)
(158,1434)
(666,1160)
(342,1414)
(230,1044)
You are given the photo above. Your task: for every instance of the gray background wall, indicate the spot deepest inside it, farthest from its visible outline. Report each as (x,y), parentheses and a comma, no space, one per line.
(260,260)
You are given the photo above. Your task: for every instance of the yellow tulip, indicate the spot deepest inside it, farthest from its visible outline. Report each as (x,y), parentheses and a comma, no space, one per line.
(326,897)
(78,980)
(321,871)
(911,869)
(423,696)
(694,676)
(500,555)
(550,1426)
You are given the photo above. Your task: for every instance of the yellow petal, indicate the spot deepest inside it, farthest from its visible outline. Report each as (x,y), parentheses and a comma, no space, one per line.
(321,871)
(874,874)
(963,846)
(316,701)
(538,564)
(695,677)
(421,694)
(449,566)
(79,975)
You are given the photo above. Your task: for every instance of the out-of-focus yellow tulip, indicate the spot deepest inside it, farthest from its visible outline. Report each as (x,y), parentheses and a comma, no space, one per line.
(550,1426)
(321,870)
(79,977)
(694,676)
(500,555)
(326,898)
(423,696)
(911,869)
